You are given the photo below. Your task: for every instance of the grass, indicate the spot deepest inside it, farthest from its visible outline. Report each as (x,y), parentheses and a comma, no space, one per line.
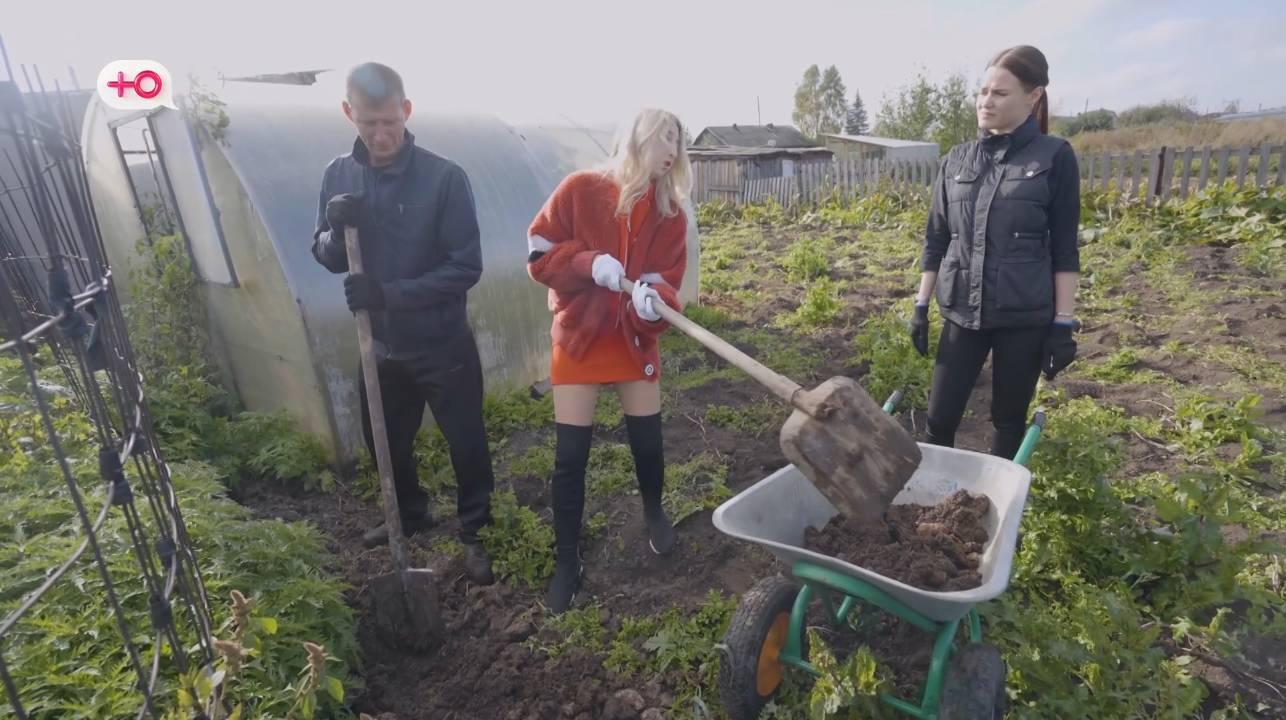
(1182,135)
(755,420)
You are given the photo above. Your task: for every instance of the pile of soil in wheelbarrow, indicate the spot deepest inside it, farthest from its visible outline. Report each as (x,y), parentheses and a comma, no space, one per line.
(936,547)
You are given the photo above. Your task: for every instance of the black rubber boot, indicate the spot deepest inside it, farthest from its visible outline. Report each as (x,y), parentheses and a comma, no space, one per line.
(1007,439)
(566,583)
(649,463)
(378,535)
(571,455)
(938,436)
(477,564)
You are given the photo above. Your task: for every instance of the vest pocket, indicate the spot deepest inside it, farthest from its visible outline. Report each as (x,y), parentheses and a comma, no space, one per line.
(950,283)
(1024,285)
(961,184)
(1026,183)
(1022,246)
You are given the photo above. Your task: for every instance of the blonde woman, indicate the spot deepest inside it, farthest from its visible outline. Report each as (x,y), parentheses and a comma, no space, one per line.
(600,226)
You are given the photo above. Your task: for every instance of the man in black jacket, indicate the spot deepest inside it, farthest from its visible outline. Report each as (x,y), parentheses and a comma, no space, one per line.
(419,237)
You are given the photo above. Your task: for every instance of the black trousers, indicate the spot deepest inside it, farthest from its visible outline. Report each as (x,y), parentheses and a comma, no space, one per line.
(450,380)
(1015,368)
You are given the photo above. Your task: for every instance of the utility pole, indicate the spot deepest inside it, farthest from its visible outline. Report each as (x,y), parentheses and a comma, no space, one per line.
(759,115)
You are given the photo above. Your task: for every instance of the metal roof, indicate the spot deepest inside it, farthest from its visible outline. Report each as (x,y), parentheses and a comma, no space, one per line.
(751,136)
(881,141)
(725,151)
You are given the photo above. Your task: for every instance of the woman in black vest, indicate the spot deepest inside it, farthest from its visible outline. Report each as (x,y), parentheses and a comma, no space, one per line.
(1000,255)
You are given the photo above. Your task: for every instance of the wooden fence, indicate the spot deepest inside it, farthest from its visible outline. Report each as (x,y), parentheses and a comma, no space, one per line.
(1163,173)
(811,181)
(1142,175)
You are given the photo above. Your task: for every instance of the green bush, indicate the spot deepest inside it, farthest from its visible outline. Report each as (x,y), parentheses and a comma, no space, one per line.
(67,658)
(820,306)
(520,543)
(1166,111)
(884,344)
(808,259)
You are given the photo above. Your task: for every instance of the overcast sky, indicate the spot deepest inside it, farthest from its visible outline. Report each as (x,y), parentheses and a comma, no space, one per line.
(711,62)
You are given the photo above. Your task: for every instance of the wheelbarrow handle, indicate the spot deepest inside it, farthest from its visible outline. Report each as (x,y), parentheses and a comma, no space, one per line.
(892,403)
(1030,438)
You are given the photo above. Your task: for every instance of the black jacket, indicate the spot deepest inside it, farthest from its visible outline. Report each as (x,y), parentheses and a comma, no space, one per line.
(1005,214)
(419,238)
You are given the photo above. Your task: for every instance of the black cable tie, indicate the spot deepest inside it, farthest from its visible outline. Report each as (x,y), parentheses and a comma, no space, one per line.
(166,549)
(95,351)
(109,467)
(161,613)
(60,301)
(141,445)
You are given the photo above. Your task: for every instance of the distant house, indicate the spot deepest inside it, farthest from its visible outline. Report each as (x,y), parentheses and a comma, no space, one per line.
(724,157)
(757,163)
(867,147)
(753,136)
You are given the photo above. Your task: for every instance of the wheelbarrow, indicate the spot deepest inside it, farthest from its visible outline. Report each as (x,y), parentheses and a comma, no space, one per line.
(767,632)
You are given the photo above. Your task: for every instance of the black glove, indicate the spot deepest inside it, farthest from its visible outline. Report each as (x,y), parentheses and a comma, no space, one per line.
(1059,349)
(919,327)
(363,293)
(344,211)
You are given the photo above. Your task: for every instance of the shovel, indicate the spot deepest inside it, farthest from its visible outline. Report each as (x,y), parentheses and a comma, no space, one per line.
(857,455)
(406,600)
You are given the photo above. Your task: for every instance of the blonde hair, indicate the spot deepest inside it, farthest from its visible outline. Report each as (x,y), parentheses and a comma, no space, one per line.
(625,167)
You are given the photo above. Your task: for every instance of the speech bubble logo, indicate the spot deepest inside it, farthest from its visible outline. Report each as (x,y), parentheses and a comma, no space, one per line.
(136,85)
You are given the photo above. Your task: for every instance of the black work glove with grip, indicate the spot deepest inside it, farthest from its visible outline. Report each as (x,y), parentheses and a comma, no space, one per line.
(363,292)
(1059,349)
(919,327)
(343,211)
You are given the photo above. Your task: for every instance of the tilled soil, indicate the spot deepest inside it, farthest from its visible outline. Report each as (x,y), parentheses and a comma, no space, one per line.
(485,669)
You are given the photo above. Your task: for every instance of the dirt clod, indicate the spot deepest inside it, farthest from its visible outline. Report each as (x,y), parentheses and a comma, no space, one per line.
(934,548)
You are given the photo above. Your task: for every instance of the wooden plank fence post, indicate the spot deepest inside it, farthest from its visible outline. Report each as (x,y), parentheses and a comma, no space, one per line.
(1204,174)
(1136,174)
(1185,161)
(1243,160)
(1261,175)
(1221,173)
(1158,181)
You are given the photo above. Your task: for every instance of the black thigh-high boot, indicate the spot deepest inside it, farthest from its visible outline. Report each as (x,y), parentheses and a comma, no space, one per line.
(571,455)
(649,464)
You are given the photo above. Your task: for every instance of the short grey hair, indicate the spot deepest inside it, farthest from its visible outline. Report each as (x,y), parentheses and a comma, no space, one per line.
(372,83)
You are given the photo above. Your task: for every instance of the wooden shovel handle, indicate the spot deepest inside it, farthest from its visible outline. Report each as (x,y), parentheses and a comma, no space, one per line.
(375,403)
(781,386)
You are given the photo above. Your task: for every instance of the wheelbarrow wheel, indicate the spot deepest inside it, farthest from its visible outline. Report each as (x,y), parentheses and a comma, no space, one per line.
(751,673)
(974,688)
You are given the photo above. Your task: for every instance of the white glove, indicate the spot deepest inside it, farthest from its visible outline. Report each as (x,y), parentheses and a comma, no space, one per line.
(607,272)
(645,301)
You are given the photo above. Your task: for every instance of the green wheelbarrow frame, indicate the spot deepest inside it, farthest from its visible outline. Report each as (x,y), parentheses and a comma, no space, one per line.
(827,586)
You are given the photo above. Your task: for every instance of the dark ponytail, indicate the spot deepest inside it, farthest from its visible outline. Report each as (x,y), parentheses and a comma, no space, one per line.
(1032,70)
(1042,111)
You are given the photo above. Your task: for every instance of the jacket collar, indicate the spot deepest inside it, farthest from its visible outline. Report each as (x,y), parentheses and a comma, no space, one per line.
(1001,146)
(398,166)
